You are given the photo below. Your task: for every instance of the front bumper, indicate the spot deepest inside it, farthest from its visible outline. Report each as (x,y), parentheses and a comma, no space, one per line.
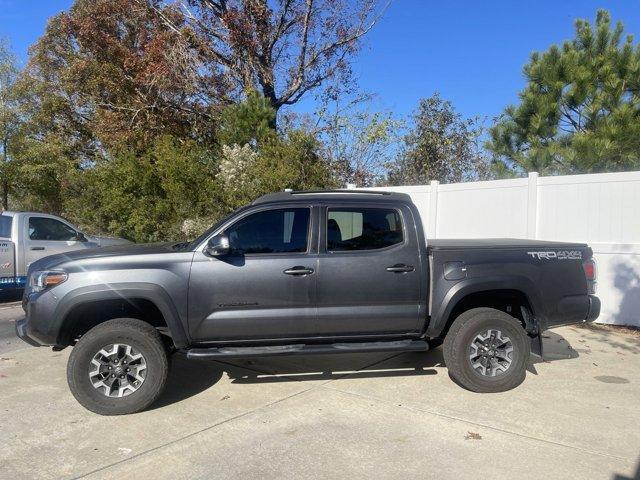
(21,332)
(36,327)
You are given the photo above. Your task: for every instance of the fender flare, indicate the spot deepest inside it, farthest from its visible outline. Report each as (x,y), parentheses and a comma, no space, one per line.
(460,290)
(125,291)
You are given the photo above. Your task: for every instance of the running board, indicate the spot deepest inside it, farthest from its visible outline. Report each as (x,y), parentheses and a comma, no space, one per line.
(304,349)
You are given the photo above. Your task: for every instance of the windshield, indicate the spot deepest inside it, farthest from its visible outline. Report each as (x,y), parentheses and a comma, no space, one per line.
(5,226)
(192,245)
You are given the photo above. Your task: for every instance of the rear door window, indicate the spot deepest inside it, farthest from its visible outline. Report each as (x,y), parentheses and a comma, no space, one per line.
(351,229)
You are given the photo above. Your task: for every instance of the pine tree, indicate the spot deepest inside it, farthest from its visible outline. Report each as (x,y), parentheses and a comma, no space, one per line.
(580,110)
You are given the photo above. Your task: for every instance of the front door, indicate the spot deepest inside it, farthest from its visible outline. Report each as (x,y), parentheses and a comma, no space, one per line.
(265,287)
(369,272)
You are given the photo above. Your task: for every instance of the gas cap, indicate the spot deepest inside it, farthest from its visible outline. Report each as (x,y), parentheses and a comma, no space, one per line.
(455,271)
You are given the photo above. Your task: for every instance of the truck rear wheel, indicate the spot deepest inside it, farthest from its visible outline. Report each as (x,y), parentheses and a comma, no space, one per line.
(487,350)
(118,367)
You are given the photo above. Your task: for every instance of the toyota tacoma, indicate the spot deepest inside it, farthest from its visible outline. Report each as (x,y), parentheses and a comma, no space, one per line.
(299,273)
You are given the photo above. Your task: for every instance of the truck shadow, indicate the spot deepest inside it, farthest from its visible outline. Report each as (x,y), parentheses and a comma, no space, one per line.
(374,365)
(188,378)
(635,476)
(7,296)
(627,282)
(334,367)
(555,347)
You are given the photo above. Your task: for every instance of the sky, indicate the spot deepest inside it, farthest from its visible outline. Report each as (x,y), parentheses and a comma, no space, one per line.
(472,52)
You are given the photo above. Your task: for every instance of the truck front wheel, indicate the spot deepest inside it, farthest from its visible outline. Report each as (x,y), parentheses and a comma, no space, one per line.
(487,350)
(118,367)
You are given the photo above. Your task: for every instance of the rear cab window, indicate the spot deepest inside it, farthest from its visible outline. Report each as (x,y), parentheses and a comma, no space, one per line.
(5,226)
(357,229)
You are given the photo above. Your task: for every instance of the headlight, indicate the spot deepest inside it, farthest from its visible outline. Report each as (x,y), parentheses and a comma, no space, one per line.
(42,280)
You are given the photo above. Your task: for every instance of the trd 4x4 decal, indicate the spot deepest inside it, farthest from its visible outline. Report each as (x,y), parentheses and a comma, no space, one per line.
(557,255)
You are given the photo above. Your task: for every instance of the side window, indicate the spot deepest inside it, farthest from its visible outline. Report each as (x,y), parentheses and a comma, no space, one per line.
(362,228)
(42,228)
(271,231)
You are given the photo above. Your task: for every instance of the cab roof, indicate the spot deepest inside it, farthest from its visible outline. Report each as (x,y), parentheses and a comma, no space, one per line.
(340,195)
(14,213)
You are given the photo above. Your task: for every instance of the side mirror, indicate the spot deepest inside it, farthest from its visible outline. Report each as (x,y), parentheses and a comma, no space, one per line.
(80,237)
(217,245)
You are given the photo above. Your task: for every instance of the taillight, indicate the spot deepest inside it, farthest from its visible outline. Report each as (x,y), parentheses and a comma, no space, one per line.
(590,273)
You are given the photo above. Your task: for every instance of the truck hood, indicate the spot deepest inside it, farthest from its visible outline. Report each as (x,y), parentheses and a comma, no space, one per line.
(102,252)
(108,241)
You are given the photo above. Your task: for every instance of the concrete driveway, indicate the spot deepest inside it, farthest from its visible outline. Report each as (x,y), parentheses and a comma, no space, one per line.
(352,416)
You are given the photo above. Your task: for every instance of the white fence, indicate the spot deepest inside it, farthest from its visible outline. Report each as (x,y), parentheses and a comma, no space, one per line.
(601,209)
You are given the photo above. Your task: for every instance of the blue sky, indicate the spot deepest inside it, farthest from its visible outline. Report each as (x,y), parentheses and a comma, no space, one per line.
(472,52)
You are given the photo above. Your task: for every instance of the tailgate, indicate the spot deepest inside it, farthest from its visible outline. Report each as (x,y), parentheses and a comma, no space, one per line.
(7,264)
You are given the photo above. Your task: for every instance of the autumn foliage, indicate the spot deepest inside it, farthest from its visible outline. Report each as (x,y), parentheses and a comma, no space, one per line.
(149,119)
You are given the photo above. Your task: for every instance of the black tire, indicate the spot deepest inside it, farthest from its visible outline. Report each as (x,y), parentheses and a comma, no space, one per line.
(457,343)
(145,339)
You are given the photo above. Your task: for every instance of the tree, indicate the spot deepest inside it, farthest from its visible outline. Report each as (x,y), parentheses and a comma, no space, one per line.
(9,121)
(44,175)
(120,73)
(107,76)
(293,161)
(357,141)
(580,110)
(282,49)
(119,97)
(442,145)
(255,159)
(146,196)
(247,122)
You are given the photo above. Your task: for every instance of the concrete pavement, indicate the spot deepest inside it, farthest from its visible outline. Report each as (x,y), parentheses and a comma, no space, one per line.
(8,340)
(343,416)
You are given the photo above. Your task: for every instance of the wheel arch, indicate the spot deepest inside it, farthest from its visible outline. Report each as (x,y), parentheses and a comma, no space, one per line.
(87,307)
(498,292)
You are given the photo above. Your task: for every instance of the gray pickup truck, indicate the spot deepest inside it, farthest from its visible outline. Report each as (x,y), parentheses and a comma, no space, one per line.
(303,273)
(29,236)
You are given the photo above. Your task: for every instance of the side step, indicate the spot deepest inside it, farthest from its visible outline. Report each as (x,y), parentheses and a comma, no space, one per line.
(303,349)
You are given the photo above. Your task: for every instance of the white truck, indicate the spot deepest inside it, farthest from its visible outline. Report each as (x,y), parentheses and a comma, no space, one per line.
(28,236)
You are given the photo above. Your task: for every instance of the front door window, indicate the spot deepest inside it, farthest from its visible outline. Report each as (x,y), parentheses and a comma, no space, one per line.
(50,229)
(270,231)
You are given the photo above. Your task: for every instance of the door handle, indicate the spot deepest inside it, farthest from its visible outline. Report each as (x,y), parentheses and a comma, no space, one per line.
(400,268)
(37,248)
(298,270)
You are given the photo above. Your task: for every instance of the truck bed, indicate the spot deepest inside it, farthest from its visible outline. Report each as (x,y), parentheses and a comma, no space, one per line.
(550,275)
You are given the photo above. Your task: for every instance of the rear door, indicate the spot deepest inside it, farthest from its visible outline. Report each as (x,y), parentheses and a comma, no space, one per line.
(369,271)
